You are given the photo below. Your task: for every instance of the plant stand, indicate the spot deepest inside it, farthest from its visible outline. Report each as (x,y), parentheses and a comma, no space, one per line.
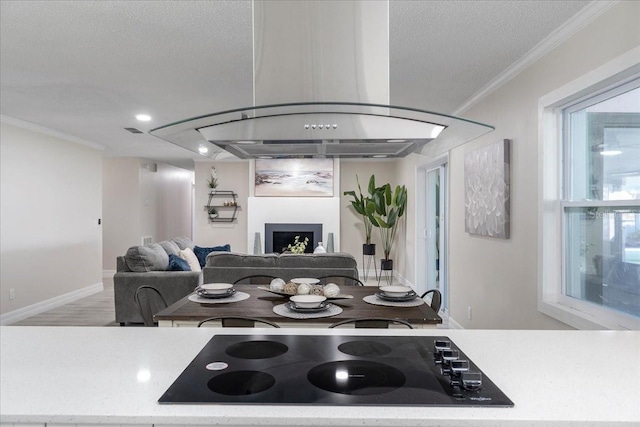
(386,271)
(368,258)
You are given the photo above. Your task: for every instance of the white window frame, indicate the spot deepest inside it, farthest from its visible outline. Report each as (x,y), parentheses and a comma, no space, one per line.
(551,300)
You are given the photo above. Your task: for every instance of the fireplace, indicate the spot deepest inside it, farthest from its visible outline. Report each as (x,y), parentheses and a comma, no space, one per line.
(279,236)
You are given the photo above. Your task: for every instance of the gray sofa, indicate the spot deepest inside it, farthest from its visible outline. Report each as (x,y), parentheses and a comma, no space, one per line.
(146,265)
(227,267)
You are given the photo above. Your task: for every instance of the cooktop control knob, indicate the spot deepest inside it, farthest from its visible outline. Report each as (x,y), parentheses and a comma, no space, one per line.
(449,355)
(456,368)
(471,381)
(441,345)
(446,356)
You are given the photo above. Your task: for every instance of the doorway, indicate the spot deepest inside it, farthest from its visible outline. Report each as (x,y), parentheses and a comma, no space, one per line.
(431,221)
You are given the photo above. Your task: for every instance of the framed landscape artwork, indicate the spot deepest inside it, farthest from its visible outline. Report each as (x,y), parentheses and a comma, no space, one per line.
(294,178)
(487,190)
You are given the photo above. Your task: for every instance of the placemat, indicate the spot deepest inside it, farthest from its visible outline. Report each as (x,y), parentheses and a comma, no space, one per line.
(372,299)
(284,311)
(238,296)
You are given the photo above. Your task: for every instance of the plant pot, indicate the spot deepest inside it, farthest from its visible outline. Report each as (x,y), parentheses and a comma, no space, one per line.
(386,264)
(369,249)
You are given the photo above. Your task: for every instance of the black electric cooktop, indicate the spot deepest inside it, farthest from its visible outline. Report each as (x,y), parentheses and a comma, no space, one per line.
(334,370)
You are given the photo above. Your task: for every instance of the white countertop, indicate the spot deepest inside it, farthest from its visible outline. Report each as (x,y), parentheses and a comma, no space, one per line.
(80,375)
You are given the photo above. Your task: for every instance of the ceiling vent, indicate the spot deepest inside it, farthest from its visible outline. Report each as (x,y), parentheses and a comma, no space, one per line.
(321,89)
(133,130)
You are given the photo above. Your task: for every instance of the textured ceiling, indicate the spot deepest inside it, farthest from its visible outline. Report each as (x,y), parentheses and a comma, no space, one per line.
(85,68)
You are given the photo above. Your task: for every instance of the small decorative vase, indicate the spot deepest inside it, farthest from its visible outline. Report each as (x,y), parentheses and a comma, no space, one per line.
(330,243)
(319,249)
(257,244)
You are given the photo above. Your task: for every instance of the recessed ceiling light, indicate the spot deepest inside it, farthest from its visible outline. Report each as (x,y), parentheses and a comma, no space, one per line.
(143,117)
(203,149)
(264,157)
(610,152)
(396,140)
(245,142)
(379,156)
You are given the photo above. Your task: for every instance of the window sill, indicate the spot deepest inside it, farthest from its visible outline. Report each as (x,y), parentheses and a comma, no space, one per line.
(594,319)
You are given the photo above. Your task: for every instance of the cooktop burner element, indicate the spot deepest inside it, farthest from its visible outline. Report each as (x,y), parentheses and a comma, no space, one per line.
(357,377)
(240,383)
(334,370)
(365,348)
(256,349)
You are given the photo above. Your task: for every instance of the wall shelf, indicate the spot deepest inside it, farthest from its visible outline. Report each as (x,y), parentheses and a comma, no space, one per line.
(226,212)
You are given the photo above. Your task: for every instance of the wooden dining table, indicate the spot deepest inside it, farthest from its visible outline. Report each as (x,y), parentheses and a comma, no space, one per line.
(261,302)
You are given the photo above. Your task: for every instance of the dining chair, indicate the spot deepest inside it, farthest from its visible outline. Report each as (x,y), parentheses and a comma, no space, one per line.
(255,279)
(149,301)
(436,299)
(340,280)
(238,321)
(372,322)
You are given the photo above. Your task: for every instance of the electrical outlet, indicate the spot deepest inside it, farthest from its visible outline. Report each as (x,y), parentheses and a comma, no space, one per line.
(469,313)
(12,293)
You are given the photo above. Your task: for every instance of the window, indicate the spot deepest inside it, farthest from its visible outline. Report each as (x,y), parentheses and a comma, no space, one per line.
(601,200)
(590,200)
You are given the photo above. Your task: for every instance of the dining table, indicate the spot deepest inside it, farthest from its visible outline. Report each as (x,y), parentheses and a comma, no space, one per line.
(355,302)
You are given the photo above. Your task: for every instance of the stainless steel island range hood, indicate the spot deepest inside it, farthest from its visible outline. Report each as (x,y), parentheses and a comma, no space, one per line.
(321,89)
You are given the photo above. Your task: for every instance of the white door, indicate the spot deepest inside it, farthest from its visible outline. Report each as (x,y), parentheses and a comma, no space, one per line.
(432,215)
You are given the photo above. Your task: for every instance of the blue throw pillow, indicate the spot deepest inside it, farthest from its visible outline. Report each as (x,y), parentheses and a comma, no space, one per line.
(178,264)
(202,253)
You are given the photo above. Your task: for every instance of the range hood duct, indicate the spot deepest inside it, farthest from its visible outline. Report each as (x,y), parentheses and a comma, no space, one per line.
(321,89)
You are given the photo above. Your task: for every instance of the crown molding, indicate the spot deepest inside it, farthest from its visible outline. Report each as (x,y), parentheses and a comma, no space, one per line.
(50,132)
(553,40)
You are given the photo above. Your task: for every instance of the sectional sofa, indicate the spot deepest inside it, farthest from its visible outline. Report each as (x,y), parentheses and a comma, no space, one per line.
(227,267)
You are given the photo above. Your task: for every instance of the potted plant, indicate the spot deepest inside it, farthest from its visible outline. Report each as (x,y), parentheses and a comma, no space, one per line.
(365,207)
(213,213)
(389,207)
(213,180)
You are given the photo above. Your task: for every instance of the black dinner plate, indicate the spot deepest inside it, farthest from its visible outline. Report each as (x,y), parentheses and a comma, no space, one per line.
(410,296)
(227,294)
(322,307)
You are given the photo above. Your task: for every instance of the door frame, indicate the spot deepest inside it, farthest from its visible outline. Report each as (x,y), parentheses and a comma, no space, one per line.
(421,216)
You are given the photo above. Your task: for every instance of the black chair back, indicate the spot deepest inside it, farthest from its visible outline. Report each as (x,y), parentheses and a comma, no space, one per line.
(372,322)
(256,279)
(149,301)
(238,321)
(340,280)
(436,299)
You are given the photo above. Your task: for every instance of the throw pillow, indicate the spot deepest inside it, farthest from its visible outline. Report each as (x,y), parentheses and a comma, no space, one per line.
(188,255)
(178,264)
(202,253)
(183,242)
(170,247)
(147,258)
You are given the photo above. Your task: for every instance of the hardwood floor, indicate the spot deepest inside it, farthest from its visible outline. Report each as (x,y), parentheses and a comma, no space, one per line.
(94,310)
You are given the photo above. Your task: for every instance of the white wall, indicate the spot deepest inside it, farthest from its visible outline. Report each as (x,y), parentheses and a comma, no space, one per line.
(143,198)
(121,193)
(498,278)
(51,200)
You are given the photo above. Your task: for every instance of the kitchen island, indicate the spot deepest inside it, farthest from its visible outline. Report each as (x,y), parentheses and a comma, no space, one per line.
(84,375)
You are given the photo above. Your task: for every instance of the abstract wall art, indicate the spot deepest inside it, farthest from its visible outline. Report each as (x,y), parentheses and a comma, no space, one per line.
(294,178)
(487,190)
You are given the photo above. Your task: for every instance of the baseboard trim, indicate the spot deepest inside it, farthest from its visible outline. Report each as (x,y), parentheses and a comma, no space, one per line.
(42,306)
